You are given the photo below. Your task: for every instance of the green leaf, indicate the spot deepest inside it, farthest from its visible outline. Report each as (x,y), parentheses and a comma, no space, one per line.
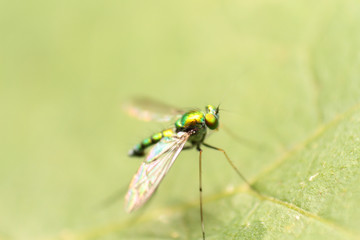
(285,73)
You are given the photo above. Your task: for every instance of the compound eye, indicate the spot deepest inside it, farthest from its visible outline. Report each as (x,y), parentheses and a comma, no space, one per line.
(211,121)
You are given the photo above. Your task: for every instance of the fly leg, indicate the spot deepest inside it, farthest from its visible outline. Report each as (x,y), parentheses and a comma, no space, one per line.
(200,191)
(232,164)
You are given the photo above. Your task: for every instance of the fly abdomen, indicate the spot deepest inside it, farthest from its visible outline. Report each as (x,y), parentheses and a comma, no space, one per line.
(139,149)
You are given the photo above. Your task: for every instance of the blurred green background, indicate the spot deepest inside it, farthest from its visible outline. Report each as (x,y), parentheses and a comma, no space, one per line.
(286,74)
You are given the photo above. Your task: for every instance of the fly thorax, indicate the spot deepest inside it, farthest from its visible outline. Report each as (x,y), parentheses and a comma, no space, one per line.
(190,120)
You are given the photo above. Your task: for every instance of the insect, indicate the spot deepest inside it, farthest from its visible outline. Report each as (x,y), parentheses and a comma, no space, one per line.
(190,127)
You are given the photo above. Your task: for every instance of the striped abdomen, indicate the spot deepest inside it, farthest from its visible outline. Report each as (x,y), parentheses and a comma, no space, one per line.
(138,149)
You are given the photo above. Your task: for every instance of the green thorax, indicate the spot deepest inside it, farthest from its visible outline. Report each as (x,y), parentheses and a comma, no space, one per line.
(190,120)
(194,120)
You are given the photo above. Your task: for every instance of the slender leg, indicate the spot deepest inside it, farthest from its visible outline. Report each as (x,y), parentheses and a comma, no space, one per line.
(200,190)
(231,163)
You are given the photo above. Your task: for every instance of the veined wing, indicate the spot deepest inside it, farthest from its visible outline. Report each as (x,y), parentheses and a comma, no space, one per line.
(157,163)
(147,109)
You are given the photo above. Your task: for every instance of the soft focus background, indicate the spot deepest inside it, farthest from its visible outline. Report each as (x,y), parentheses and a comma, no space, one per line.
(286,74)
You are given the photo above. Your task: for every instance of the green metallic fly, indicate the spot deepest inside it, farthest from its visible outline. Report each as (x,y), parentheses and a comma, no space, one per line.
(190,127)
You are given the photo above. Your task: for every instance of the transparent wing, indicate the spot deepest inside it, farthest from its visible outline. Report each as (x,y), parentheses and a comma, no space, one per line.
(157,163)
(147,109)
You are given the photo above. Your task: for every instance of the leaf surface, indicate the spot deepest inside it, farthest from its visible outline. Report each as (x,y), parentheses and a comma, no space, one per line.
(286,75)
